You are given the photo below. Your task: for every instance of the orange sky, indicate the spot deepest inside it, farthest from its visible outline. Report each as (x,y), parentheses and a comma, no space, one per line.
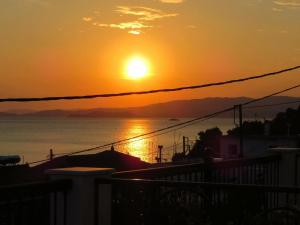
(60,47)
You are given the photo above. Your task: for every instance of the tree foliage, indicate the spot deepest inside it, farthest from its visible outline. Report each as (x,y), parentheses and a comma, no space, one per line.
(284,123)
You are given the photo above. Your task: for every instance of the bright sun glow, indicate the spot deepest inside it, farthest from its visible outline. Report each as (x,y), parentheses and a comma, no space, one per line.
(137,68)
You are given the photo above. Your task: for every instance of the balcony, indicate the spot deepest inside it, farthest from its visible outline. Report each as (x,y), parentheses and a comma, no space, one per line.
(249,191)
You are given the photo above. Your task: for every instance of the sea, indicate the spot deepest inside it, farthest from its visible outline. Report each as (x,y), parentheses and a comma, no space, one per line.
(32,137)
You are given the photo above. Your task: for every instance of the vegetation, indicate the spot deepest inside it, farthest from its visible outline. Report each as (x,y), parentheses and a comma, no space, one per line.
(284,123)
(205,147)
(249,128)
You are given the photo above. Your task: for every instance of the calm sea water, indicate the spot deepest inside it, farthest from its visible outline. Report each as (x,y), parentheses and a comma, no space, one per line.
(32,138)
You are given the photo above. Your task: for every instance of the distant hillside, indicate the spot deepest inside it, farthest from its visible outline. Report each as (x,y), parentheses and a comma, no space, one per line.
(176,109)
(2,114)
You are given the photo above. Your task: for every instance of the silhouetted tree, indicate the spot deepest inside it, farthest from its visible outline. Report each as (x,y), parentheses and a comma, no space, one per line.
(207,139)
(249,128)
(207,146)
(284,123)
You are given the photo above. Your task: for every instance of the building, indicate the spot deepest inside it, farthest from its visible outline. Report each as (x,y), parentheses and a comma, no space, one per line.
(254,145)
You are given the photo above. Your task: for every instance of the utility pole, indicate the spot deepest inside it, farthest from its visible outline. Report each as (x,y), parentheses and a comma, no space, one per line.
(187,144)
(183,145)
(241,131)
(159,157)
(51,155)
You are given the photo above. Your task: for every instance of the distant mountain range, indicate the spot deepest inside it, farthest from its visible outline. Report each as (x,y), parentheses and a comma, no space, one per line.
(173,109)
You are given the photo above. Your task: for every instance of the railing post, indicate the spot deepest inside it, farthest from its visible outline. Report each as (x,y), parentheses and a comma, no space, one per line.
(79,203)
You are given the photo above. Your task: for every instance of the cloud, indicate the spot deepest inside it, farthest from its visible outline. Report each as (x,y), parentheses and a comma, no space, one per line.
(191,26)
(142,17)
(290,4)
(123,26)
(172,1)
(134,32)
(277,9)
(144,13)
(87,19)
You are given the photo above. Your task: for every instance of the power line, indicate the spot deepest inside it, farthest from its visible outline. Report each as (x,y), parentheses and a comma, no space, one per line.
(145,136)
(172,130)
(177,126)
(271,105)
(141,135)
(57,98)
(271,95)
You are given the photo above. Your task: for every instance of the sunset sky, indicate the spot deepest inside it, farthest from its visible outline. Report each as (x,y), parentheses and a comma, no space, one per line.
(79,47)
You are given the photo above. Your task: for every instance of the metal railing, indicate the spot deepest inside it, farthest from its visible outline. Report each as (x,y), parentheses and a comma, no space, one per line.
(32,203)
(155,202)
(262,170)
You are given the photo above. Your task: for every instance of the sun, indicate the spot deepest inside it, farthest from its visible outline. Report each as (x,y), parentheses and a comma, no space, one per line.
(136,68)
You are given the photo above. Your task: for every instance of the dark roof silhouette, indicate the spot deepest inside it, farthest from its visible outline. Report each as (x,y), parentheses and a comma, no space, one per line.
(107,159)
(14,174)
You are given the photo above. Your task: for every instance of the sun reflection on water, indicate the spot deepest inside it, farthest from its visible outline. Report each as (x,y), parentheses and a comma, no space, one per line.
(139,147)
